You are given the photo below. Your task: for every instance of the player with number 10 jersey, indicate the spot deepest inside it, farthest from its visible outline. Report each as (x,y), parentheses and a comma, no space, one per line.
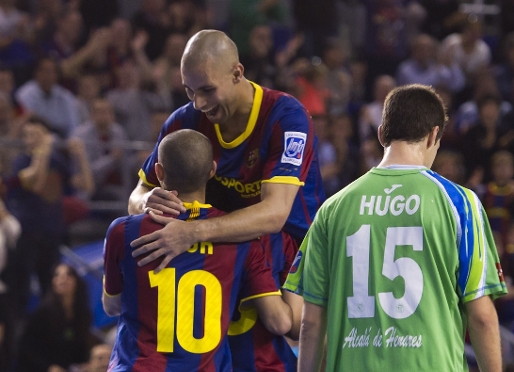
(177,320)
(407,276)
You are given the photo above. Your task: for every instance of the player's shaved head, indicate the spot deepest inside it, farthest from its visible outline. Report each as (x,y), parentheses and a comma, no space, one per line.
(187,159)
(211,47)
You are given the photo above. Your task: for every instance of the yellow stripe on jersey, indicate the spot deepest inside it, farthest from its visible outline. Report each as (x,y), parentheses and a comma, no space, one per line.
(142,176)
(277,293)
(285,179)
(252,120)
(107,294)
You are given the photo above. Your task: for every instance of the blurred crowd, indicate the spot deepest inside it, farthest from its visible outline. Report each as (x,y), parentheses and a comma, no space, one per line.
(85,86)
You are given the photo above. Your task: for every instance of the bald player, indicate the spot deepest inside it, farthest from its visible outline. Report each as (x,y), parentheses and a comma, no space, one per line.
(267,178)
(177,320)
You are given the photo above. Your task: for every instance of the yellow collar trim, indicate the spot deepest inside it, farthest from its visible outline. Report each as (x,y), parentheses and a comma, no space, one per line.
(252,120)
(196,204)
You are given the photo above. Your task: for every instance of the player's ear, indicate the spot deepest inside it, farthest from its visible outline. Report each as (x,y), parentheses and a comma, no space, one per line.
(380,135)
(432,136)
(159,171)
(213,170)
(238,72)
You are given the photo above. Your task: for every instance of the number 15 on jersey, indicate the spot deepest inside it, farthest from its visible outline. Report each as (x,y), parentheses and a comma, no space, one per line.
(362,304)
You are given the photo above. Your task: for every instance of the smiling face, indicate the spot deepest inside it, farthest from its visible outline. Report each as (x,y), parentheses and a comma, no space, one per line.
(212,90)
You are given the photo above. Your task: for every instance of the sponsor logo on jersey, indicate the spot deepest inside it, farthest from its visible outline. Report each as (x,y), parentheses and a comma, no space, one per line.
(294,144)
(253,156)
(247,190)
(296,262)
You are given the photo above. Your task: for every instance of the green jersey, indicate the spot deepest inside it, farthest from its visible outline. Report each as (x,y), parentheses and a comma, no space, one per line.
(393,257)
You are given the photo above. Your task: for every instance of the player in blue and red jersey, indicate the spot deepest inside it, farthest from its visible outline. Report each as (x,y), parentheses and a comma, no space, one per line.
(268,175)
(177,320)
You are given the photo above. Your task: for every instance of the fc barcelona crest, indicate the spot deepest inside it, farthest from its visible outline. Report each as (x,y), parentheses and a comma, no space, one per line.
(253,156)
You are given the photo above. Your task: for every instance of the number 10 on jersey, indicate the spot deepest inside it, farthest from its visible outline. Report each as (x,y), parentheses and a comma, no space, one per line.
(361,304)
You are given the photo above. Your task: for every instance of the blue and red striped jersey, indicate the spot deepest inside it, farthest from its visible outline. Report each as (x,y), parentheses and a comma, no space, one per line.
(278,145)
(253,347)
(177,320)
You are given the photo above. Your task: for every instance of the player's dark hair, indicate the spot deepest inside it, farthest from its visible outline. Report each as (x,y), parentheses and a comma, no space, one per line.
(411,112)
(186,156)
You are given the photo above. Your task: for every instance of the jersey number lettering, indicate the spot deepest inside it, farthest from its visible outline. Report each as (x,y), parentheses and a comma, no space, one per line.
(176,307)
(361,304)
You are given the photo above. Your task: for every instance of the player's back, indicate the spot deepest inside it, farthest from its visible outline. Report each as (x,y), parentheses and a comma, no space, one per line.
(402,258)
(177,320)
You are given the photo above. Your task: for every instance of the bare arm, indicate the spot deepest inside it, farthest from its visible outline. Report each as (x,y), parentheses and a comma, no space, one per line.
(296,303)
(275,314)
(312,337)
(83,180)
(266,217)
(484,333)
(111,304)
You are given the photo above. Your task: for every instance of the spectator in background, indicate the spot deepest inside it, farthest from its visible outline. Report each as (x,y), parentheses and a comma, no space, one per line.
(504,71)
(67,36)
(103,140)
(481,141)
(339,80)
(99,358)
(450,165)
(164,70)
(10,131)
(132,104)
(371,114)
(441,17)
(317,22)
(10,230)
(56,336)
(423,68)
(152,17)
(88,90)
(327,155)
(311,87)
(41,176)
(259,62)
(244,15)
(386,38)
(16,40)
(467,48)
(46,15)
(467,113)
(347,153)
(498,196)
(43,97)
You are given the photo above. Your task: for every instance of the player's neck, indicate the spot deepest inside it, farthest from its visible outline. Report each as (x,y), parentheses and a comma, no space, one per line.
(403,153)
(236,125)
(198,196)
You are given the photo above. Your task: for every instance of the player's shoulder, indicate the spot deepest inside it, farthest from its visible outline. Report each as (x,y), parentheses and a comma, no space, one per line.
(185,116)
(117,226)
(281,101)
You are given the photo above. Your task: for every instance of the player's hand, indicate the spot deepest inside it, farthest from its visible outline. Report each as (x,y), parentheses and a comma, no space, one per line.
(162,201)
(173,239)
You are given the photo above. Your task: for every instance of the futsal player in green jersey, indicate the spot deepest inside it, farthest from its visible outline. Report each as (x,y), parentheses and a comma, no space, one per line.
(400,263)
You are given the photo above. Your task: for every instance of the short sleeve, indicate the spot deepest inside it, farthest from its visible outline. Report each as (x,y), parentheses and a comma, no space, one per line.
(309,274)
(114,250)
(292,143)
(480,273)
(258,280)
